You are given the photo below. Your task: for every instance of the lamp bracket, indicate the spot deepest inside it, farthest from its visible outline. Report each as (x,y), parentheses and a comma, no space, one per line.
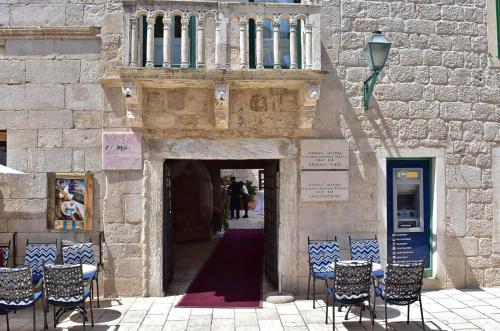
(368,87)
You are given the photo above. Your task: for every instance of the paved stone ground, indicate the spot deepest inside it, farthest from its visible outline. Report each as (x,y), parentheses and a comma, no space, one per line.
(449,309)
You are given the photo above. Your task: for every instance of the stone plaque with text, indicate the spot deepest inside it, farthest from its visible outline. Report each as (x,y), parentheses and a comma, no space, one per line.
(121,151)
(324,185)
(324,154)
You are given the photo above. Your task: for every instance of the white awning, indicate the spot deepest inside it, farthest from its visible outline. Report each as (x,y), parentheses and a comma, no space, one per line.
(7,170)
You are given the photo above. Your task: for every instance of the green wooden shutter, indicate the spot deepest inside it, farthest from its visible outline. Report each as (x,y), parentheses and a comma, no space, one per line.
(298,45)
(144,39)
(498,27)
(251,43)
(192,42)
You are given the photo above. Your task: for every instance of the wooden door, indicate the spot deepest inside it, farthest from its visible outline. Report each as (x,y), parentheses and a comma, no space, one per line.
(168,227)
(271,223)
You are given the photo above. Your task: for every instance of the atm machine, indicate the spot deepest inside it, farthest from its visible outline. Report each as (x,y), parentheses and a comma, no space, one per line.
(409,209)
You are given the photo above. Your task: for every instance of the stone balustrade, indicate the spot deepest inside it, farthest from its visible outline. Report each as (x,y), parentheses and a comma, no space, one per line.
(224,35)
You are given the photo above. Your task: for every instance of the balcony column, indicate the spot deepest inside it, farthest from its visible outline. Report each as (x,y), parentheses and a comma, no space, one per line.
(150,52)
(243,43)
(200,45)
(217,45)
(293,44)
(166,41)
(276,44)
(309,61)
(133,42)
(259,44)
(184,43)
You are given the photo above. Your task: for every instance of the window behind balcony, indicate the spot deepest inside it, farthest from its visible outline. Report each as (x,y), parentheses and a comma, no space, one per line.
(284,40)
(3,147)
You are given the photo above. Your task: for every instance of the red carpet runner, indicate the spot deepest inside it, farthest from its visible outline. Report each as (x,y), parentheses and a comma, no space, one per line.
(232,275)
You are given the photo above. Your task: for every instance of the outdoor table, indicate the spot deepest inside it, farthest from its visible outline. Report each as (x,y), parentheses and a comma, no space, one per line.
(376,267)
(88,269)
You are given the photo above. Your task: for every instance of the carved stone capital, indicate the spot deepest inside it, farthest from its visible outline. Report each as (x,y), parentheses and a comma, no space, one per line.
(310,96)
(221,106)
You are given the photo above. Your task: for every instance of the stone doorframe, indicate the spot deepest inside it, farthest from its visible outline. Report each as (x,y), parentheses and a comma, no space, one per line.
(438,173)
(157,149)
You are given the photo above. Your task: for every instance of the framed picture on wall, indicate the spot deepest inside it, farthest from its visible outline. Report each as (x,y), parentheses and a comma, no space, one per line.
(70,199)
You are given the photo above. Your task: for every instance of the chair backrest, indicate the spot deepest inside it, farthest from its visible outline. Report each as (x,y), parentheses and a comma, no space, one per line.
(76,253)
(37,255)
(365,249)
(352,281)
(63,283)
(403,282)
(16,288)
(4,255)
(322,254)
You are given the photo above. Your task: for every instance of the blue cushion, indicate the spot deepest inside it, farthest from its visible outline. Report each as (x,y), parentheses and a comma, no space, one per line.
(378,291)
(37,278)
(378,274)
(4,309)
(90,275)
(37,295)
(64,303)
(322,275)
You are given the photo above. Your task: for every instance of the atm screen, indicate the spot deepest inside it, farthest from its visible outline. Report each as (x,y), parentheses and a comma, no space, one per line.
(408,200)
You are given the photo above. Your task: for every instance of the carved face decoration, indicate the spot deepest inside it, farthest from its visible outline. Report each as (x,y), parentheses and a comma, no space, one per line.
(258,103)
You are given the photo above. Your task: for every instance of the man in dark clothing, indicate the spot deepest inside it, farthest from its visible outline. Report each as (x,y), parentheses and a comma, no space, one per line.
(244,197)
(234,190)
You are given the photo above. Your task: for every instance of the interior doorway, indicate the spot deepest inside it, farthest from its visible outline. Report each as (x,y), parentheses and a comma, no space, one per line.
(192,191)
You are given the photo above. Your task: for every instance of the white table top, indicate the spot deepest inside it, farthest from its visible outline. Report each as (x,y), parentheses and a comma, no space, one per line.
(375,266)
(88,268)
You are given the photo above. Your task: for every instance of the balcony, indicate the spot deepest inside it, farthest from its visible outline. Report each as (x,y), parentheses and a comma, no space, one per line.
(203,35)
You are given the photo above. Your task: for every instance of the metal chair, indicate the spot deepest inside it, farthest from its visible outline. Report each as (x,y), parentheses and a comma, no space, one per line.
(322,254)
(65,289)
(84,253)
(366,250)
(16,292)
(350,286)
(402,286)
(4,254)
(38,254)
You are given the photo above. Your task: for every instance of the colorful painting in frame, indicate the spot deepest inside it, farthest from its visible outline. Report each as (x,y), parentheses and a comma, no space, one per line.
(70,198)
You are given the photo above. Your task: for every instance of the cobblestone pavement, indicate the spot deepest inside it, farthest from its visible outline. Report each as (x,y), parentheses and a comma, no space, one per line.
(449,309)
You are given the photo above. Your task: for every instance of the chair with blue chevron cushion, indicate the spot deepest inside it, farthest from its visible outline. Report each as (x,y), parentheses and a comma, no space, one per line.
(322,254)
(84,253)
(65,289)
(366,250)
(16,292)
(38,254)
(4,255)
(350,286)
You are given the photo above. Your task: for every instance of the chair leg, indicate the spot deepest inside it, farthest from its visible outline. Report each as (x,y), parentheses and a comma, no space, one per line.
(333,311)
(385,308)
(97,288)
(54,307)
(7,318)
(372,313)
(314,293)
(326,318)
(84,314)
(360,312)
(408,316)
(308,285)
(91,313)
(34,317)
(421,312)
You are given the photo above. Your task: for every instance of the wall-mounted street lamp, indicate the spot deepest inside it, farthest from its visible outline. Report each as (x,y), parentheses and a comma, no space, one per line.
(376,52)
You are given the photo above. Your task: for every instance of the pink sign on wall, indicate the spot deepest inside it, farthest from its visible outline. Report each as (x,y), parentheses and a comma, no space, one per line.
(121,151)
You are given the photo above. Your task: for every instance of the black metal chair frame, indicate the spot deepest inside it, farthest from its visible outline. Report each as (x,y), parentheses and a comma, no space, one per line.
(3,246)
(309,241)
(78,306)
(353,282)
(401,291)
(99,264)
(24,285)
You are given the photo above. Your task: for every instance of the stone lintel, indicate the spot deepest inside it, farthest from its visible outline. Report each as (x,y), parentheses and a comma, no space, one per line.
(37,32)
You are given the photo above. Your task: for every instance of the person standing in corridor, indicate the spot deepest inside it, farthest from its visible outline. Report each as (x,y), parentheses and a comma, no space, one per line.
(234,192)
(244,196)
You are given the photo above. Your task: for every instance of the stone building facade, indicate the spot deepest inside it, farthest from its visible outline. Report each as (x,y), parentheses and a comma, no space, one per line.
(70,71)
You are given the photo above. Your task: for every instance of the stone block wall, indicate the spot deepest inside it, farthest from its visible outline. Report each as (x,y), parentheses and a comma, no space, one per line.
(439,89)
